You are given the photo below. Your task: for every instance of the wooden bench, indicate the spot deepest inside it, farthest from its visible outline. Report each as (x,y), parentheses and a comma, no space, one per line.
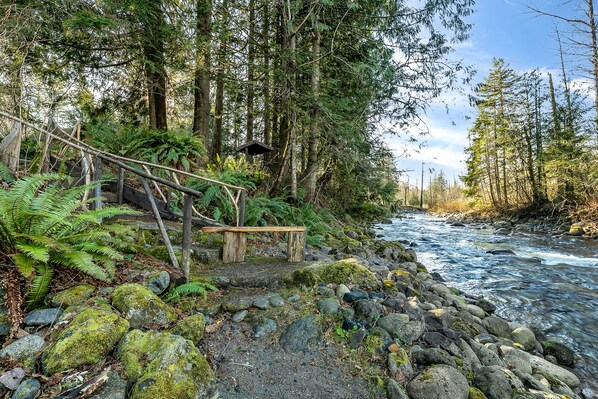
(235,241)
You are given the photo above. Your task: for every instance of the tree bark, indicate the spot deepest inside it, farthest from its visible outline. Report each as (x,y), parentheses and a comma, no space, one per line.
(250,70)
(201,88)
(219,102)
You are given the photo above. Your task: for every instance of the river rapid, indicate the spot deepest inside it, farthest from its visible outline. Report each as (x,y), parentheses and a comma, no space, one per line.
(549,283)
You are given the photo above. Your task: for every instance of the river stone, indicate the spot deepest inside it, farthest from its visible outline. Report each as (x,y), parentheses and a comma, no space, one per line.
(158,282)
(497,382)
(561,352)
(394,390)
(431,356)
(328,306)
(235,304)
(468,355)
(369,310)
(524,337)
(399,365)
(42,317)
(543,366)
(89,337)
(299,335)
(439,382)
(114,388)
(191,327)
(141,307)
(76,295)
(497,326)
(489,358)
(486,305)
(263,327)
(276,301)
(476,311)
(24,349)
(341,290)
(12,378)
(261,302)
(515,359)
(576,230)
(440,289)
(27,389)
(240,316)
(163,365)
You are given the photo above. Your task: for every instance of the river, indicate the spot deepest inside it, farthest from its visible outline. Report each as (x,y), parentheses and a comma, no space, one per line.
(550,283)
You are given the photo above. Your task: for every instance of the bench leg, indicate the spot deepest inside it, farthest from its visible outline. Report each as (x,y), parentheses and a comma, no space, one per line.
(234,247)
(296,246)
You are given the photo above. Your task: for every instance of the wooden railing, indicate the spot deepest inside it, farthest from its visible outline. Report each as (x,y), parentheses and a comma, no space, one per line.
(93,160)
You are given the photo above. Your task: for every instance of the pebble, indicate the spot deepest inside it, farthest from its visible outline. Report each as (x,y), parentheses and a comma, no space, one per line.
(354,296)
(12,378)
(23,348)
(329,306)
(28,389)
(264,327)
(341,290)
(294,298)
(239,316)
(261,302)
(276,301)
(42,317)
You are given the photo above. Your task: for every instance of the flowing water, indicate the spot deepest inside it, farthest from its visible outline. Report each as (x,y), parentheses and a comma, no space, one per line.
(550,283)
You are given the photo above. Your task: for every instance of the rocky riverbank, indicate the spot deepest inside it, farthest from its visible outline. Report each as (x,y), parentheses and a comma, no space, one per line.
(360,318)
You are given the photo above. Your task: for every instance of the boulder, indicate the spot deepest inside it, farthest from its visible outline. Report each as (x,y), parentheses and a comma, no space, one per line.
(191,327)
(27,389)
(576,230)
(76,295)
(114,388)
(400,327)
(515,359)
(141,307)
(497,326)
(345,272)
(12,378)
(369,310)
(163,365)
(235,304)
(89,337)
(300,334)
(497,382)
(394,390)
(158,282)
(439,382)
(328,306)
(524,337)
(543,366)
(24,349)
(263,327)
(561,352)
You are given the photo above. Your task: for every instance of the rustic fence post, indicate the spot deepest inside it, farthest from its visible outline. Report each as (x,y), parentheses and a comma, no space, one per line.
(187,222)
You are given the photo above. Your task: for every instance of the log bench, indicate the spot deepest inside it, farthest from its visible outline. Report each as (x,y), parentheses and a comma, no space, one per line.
(235,241)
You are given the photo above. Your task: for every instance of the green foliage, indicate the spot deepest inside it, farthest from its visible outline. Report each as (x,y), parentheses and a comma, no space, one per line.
(44,225)
(6,174)
(171,148)
(193,288)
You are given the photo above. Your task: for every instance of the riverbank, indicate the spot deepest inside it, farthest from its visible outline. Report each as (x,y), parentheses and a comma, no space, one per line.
(361,317)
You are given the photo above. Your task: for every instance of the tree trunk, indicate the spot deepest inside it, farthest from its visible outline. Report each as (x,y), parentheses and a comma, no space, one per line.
(250,70)
(155,72)
(219,103)
(594,51)
(266,78)
(312,156)
(201,88)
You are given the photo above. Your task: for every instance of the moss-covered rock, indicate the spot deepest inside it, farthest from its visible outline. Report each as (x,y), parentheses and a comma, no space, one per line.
(191,327)
(87,338)
(344,272)
(475,393)
(163,365)
(141,307)
(76,295)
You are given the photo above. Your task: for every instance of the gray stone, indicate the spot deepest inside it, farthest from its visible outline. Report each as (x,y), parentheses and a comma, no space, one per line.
(341,290)
(543,366)
(325,291)
(328,306)
(205,255)
(222,281)
(497,326)
(399,365)
(369,310)
(431,356)
(524,337)
(263,327)
(357,338)
(395,324)
(158,282)
(294,298)
(42,317)
(76,295)
(489,358)
(515,359)
(276,301)
(561,352)
(27,389)
(486,305)
(354,296)
(12,378)
(468,355)
(497,382)
(299,335)
(439,382)
(261,302)
(24,348)
(240,316)
(394,390)
(114,388)
(236,304)
(441,289)
(476,311)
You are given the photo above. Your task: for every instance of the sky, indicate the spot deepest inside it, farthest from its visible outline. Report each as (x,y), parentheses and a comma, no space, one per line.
(501,29)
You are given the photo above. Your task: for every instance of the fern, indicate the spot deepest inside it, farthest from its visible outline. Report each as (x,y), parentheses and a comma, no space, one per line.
(193,288)
(43,226)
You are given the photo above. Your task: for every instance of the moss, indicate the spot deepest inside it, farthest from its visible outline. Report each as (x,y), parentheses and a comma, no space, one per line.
(475,393)
(76,295)
(87,338)
(459,361)
(343,272)
(160,252)
(211,240)
(373,345)
(162,365)
(399,272)
(141,306)
(400,356)
(424,377)
(421,268)
(390,285)
(191,328)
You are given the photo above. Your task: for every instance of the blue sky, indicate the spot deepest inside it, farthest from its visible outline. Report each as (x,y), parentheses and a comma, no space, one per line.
(502,29)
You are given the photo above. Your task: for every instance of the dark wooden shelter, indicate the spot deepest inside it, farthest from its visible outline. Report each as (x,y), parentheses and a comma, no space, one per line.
(254,147)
